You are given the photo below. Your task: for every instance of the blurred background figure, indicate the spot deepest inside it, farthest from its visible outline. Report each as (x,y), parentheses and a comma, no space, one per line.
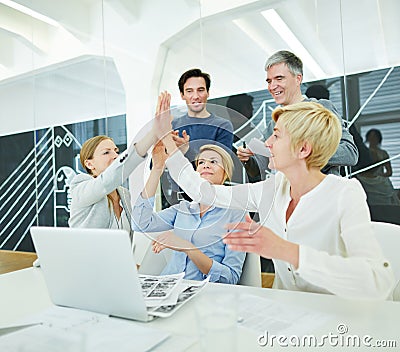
(317,91)
(376,181)
(240,109)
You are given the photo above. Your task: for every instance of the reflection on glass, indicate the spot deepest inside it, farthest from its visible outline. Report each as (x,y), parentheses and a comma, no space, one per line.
(375,180)
(35,176)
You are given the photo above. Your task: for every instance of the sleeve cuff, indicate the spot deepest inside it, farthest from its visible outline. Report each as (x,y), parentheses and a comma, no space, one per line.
(302,261)
(215,272)
(148,202)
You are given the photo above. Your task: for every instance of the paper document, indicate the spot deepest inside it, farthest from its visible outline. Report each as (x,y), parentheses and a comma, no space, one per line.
(67,329)
(171,299)
(263,314)
(188,290)
(159,287)
(258,147)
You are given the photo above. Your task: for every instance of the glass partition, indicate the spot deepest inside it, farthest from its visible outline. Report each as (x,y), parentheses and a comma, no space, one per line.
(73,70)
(372,101)
(57,89)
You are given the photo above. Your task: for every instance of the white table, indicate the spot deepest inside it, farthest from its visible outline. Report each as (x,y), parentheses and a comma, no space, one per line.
(24,292)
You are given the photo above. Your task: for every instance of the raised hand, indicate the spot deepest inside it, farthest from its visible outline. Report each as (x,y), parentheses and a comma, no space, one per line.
(159,156)
(162,122)
(244,154)
(181,142)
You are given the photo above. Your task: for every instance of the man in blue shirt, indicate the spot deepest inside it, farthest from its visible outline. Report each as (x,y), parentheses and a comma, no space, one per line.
(199,126)
(202,126)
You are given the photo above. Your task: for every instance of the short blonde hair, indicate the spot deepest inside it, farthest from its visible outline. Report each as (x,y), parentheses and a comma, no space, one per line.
(88,149)
(227,162)
(311,122)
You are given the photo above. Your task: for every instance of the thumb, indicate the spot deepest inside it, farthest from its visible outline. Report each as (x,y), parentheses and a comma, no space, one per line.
(185,135)
(252,225)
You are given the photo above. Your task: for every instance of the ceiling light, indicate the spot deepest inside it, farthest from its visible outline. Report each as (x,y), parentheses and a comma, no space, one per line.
(29,12)
(295,45)
(253,33)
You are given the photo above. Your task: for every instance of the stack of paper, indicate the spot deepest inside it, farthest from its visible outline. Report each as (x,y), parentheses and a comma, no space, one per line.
(165,294)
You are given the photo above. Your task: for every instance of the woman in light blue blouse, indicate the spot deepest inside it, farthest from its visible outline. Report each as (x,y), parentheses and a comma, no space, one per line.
(194,231)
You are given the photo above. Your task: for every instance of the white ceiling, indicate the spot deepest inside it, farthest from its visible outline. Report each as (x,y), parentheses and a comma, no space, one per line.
(343,37)
(152,42)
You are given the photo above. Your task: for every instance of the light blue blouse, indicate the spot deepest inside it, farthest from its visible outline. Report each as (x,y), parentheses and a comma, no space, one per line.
(204,232)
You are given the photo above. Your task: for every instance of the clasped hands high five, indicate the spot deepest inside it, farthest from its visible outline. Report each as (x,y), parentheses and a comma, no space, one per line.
(163,126)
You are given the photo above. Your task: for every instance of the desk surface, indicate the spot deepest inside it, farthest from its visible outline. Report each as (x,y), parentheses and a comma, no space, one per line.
(14,260)
(24,293)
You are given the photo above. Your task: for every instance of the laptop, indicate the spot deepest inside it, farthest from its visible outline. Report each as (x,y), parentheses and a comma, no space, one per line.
(91,269)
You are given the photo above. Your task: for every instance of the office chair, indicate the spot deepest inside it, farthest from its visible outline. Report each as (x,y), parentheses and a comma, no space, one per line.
(251,272)
(388,236)
(149,262)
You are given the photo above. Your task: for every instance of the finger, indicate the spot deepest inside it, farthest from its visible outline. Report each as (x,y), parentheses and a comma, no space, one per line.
(238,226)
(246,152)
(162,105)
(242,158)
(159,240)
(253,225)
(162,240)
(164,102)
(185,136)
(167,101)
(239,238)
(243,248)
(236,235)
(176,138)
(158,103)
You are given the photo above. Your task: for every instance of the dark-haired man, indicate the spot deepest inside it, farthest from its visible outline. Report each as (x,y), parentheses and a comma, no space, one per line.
(200,125)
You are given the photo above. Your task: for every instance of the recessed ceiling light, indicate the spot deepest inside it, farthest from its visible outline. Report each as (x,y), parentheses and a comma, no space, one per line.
(29,12)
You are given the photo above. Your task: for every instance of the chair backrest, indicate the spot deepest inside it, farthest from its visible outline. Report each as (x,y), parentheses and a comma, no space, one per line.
(150,262)
(251,272)
(388,236)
